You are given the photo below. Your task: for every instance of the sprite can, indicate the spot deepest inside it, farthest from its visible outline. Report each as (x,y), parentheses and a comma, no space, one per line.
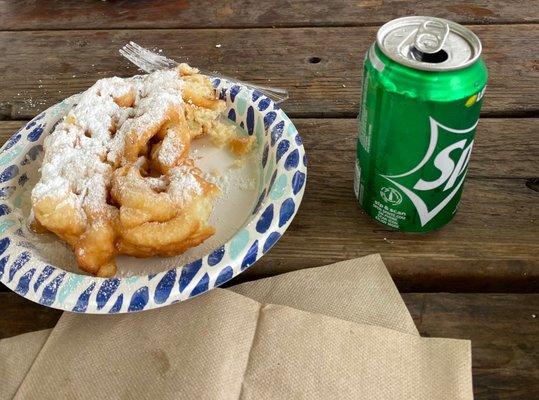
(423,86)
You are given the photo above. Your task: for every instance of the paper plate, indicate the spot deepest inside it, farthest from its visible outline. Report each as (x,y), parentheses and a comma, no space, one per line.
(250,217)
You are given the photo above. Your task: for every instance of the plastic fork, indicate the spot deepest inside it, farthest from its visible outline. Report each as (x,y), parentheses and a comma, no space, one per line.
(150,61)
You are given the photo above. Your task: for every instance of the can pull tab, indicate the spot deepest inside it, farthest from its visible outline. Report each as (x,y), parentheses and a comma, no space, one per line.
(431,36)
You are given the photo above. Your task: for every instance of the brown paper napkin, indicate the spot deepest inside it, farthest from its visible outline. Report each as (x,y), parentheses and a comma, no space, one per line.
(17,355)
(226,346)
(358,290)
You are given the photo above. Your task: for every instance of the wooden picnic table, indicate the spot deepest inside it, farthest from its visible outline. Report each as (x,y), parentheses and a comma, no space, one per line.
(487,258)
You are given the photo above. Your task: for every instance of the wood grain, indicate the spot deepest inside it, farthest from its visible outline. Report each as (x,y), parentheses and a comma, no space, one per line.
(41,68)
(503,331)
(504,147)
(501,327)
(58,14)
(491,245)
(19,315)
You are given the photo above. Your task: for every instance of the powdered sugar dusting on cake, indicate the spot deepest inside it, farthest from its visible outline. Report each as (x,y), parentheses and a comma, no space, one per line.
(79,169)
(157,184)
(97,112)
(75,168)
(171,148)
(183,184)
(155,95)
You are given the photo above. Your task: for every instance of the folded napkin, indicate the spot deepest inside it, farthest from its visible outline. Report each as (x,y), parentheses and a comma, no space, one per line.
(340,331)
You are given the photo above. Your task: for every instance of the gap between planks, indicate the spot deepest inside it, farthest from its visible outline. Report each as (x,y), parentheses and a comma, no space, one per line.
(249,27)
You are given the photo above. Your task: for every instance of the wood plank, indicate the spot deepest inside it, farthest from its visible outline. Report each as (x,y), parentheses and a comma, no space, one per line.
(490,246)
(504,335)
(504,147)
(236,13)
(19,315)
(8,128)
(502,328)
(41,68)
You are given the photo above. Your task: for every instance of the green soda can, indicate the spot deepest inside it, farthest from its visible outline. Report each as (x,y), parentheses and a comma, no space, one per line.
(423,87)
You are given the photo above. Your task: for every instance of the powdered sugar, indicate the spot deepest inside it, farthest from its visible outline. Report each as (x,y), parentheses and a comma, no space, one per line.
(48,247)
(72,165)
(155,95)
(183,184)
(231,208)
(97,111)
(78,170)
(75,167)
(157,184)
(171,148)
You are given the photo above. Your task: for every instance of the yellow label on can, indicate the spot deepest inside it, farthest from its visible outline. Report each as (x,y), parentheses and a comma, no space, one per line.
(471,101)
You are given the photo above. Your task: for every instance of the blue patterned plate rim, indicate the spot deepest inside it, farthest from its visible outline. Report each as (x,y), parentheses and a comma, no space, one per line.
(283,172)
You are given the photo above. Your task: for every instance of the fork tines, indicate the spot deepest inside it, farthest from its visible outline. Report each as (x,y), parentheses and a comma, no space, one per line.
(145,59)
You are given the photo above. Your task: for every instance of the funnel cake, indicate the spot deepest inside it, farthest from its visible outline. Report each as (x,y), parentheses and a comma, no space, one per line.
(150,222)
(116,176)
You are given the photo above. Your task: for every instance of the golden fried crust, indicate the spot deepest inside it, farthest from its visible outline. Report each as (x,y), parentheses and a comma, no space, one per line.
(142,248)
(152,222)
(125,100)
(138,202)
(199,91)
(173,148)
(136,141)
(95,250)
(169,238)
(36,226)
(185,69)
(60,217)
(158,202)
(93,241)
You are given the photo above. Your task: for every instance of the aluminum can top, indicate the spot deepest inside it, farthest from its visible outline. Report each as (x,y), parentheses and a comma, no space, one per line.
(429,43)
